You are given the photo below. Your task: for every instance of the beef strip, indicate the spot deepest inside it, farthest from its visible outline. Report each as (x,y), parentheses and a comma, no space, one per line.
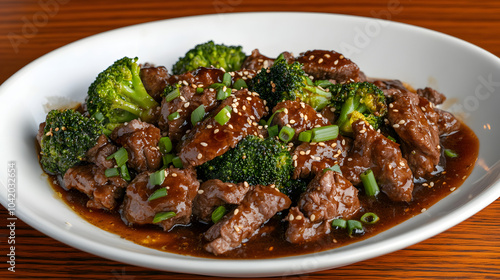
(390,87)
(201,77)
(298,115)
(447,122)
(312,158)
(182,187)
(256,61)
(372,150)
(432,95)
(155,80)
(103,192)
(185,104)
(140,139)
(328,196)
(323,64)
(214,193)
(329,113)
(259,205)
(99,153)
(414,120)
(209,139)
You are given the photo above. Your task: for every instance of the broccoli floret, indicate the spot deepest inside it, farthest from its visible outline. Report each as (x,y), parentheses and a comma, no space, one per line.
(118,95)
(66,138)
(356,101)
(210,54)
(283,81)
(254,160)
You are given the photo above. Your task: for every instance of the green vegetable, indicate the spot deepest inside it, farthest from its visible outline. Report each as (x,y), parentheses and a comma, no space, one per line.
(120,156)
(111,172)
(165,145)
(177,162)
(369,218)
(173,116)
(162,216)
(256,161)
(273,131)
(159,193)
(157,178)
(218,214)
(450,153)
(339,223)
(286,134)
(369,183)
(210,54)
(355,227)
(223,116)
(198,114)
(356,101)
(305,136)
(124,173)
(118,95)
(335,168)
(66,138)
(324,133)
(171,95)
(239,84)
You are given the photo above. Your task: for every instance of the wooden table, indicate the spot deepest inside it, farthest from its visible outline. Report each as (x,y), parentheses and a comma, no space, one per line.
(29,29)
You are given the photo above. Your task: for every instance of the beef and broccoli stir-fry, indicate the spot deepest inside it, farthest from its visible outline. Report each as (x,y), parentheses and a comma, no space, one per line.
(233,143)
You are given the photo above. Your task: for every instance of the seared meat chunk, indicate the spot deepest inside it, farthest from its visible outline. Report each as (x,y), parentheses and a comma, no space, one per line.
(140,139)
(432,95)
(447,122)
(414,120)
(328,196)
(185,104)
(390,87)
(329,113)
(258,206)
(182,187)
(256,61)
(372,150)
(155,80)
(214,193)
(101,151)
(210,139)
(322,65)
(201,77)
(298,115)
(103,192)
(312,158)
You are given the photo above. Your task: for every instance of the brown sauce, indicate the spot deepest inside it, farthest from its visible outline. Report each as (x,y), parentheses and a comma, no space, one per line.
(270,241)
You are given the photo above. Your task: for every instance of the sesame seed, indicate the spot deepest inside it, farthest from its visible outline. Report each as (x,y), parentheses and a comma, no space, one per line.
(288,125)
(341,57)
(249,98)
(302,153)
(244,107)
(396,126)
(322,144)
(299,218)
(401,163)
(294,163)
(209,126)
(185,83)
(291,217)
(423,109)
(362,131)
(255,124)
(201,191)
(343,142)
(203,144)
(174,174)
(349,159)
(453,189)
(236,211)
(320,60)
(313,217)
(245,184)
(216,130)
(295,157)
(333,145)
(230,126)
(236,228)
(423,210)
(303,105)
(327,55)
(301,115)
(292,121)
(306,117)
(186,104)
(401,121)
(395,110)
(311,57)
(285,111)
(463,178)
(235,110)
(391,105)
(199,156)
(317,158)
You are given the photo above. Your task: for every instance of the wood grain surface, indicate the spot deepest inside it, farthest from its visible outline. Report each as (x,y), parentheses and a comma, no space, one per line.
(32,28)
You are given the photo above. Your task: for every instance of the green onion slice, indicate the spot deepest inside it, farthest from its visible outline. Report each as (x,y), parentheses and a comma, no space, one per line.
(173,95)
(218,214)
(273,131)
(161,192)
(111,172)
(324,133)
(369,218)
(223,116)
(223,93)
(305,136)
(177,162)
(392,138)
(335,168)
(226,79)
(369,183)
(339,223)
(272,116)
(157,177)
(286,134)
(450,153)
(199,90)
(354,227)
(162,216)
(239,84)
(124,173)
(198,114)
(165,145)
(173,116)
(167,159)
(120,156)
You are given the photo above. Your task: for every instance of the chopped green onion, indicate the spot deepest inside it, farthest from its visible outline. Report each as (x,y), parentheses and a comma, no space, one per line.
(165,145)
(161,192)
(198,114)
(322,83)
(335,168)
(369,183)
(111,172)
(199,90)
(450,153)
(286,134)
(392,139)
(216,85)
(226,79)
(173,116)
(262,122)
(272,116)
(339,223)
(177,162)
(223,93)
(218,214)
(124,173)
(120,156)
(157,177)
(223,116)
(239,84)
(173,95)
(324,133)
(273,131)
(162,216)
(167,159)
(305,136)
(369,218)
(354,227)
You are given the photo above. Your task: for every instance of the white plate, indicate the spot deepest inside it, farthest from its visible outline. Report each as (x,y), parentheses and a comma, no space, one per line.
(381,49)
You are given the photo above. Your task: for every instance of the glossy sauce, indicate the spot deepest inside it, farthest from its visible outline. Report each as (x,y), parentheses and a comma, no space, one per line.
(269,242)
